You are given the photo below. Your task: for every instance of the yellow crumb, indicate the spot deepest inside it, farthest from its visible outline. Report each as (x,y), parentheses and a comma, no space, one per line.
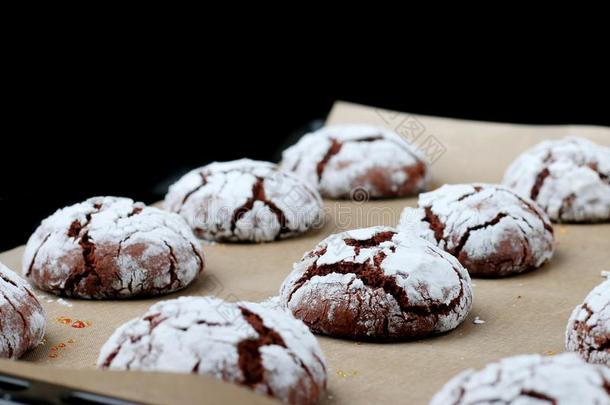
(345,374)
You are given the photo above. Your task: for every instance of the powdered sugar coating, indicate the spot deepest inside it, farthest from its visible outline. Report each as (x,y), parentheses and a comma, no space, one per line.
(529,379)
(109,247)
(568,178)
(490,229)
(341,159)
(588,330)
(378,284)
(244,200)
(22,319)
(244,343)
(273,303)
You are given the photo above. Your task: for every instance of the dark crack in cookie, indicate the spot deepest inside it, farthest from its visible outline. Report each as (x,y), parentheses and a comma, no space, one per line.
(377,284)
(588,330)
(109,247)
(243,343)
(493,231)
(245,201)
(569,178)
(22,319)
(343,160)
(530,380)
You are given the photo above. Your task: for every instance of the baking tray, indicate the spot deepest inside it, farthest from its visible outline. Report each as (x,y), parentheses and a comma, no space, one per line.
(522,314)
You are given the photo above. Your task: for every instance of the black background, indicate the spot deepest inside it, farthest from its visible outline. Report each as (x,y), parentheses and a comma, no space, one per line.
(108,127)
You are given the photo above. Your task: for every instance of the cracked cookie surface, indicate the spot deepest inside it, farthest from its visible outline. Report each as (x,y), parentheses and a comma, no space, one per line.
(109,248)
(244,343)
(530,379)
(377,284)
(493,231)
(588,330)
(245,201)
(22,319)
(340,160)
(568,178)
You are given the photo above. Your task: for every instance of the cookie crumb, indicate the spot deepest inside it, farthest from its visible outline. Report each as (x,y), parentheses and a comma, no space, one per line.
(65,303)
(79,325)
(478,321)
(345,374)
(64,320)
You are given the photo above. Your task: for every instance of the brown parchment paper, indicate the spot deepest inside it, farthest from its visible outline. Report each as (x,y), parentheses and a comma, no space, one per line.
(522,314)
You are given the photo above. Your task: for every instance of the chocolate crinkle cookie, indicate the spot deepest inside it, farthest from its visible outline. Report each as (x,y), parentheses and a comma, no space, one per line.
(568,178)
(244,343)
(108,247)
(377,284)
(588,331)
(530,380)
(245,201)
(357,161)
(22,319)
(493,231)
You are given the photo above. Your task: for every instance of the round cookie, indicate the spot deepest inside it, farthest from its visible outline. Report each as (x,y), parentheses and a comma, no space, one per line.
(529,379)
(109,247)
(244,343)
(588,330)
(377,284)
(245,201)
(356,161)
(22,319)
(492,231)
(568,178)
